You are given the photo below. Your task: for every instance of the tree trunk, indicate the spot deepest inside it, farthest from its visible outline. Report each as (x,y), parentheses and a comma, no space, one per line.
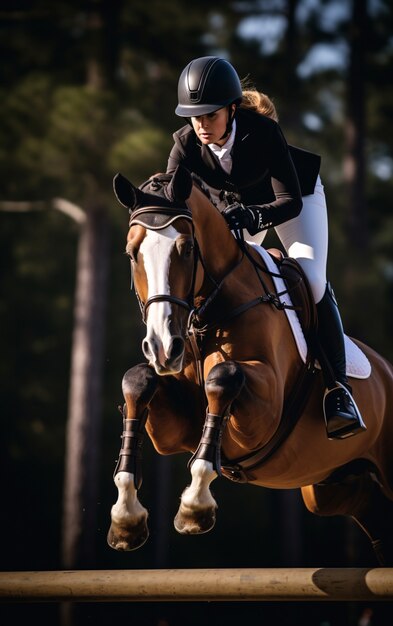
(85,396)
(354,164)
(291,118)
(84,415)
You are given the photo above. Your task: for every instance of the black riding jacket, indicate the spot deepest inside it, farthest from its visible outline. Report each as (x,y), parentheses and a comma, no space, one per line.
(265,170)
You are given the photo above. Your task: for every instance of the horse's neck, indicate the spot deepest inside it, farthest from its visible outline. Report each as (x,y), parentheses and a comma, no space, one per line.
(217,245)
(269,329)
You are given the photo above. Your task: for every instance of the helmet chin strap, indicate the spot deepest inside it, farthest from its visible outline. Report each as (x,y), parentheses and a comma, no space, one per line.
(231,115)
(228,129)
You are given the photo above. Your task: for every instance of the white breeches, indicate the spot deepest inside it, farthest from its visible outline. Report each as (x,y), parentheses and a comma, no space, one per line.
(305,238)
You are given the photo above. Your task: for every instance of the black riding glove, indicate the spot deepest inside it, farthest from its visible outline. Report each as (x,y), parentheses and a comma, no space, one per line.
(239,216)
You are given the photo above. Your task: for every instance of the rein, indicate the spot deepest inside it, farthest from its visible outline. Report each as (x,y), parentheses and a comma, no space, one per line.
(149,217)
(157,218)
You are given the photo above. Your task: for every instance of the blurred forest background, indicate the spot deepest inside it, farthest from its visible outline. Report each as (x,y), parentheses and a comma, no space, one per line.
(88,88)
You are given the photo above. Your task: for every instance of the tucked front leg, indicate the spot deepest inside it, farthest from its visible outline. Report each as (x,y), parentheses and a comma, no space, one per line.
(197,511)
(129,529)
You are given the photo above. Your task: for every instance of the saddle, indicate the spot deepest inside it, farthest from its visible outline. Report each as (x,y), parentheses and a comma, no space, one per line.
(301,295)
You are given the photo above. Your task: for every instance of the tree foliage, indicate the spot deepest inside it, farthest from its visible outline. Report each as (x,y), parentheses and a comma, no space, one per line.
(88,88)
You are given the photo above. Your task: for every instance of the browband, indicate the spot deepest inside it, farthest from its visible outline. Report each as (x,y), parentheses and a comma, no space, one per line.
(156,218)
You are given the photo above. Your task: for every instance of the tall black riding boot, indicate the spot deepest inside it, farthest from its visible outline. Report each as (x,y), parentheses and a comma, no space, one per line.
(342,416)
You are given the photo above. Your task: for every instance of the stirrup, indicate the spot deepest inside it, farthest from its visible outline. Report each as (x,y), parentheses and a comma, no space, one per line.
(342,416)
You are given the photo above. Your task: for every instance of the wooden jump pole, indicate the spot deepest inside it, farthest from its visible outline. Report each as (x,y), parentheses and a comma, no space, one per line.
(194,585)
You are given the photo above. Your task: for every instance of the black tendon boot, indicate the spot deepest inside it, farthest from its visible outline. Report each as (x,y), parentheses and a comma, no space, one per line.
(342,416)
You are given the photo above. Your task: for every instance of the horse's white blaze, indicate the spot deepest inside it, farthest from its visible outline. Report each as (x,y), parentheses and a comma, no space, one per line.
(156,249)
(197,495)
(127,509)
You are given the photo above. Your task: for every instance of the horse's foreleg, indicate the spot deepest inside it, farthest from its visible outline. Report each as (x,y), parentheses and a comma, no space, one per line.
(197,511)
(128,529)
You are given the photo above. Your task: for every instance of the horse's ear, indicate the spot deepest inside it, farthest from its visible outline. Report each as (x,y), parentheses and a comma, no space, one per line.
(179,189)
(125,191)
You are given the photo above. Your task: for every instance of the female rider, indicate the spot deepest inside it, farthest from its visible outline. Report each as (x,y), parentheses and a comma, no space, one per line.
(240,153)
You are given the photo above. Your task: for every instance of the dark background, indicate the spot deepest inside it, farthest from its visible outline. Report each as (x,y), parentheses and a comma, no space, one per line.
(88,88)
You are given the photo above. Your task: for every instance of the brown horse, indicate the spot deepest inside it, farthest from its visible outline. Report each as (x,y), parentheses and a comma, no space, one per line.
(224,380)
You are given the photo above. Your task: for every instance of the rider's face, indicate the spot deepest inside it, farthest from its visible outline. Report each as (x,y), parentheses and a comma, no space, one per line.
(211,127)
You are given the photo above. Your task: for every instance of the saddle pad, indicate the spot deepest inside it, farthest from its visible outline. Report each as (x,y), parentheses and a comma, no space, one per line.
(358,365)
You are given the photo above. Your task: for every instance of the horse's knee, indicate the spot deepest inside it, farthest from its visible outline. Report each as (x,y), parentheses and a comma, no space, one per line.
(224,383)
(139,385)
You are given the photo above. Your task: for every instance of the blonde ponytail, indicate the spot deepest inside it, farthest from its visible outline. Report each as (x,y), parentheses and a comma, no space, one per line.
(259,102)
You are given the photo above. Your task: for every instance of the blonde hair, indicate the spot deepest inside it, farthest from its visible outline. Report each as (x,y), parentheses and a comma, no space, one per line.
(259,102)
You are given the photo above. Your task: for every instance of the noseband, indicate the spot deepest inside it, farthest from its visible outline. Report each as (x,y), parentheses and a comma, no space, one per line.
(157,218)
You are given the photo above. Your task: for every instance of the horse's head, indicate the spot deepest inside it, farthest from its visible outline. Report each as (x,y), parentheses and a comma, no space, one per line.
(160,243)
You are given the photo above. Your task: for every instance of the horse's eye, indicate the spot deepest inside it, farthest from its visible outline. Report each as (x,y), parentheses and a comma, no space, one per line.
(189,249)
(185,246)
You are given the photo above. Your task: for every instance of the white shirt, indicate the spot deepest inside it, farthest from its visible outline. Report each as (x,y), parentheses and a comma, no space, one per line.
(223,153)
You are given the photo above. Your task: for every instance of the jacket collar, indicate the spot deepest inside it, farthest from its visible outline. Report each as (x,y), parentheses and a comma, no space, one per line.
(242,136)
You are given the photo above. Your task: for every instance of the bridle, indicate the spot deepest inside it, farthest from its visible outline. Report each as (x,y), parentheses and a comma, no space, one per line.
(158,218)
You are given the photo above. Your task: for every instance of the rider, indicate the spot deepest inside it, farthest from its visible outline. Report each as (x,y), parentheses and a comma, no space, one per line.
(240,153)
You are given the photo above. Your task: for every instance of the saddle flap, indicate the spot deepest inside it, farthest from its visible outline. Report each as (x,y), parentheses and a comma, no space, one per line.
(299,290)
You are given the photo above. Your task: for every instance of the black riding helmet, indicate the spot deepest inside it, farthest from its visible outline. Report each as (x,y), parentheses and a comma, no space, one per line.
(206,85)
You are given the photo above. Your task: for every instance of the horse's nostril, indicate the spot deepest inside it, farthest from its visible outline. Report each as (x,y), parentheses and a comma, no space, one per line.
(176,348)
(146,348)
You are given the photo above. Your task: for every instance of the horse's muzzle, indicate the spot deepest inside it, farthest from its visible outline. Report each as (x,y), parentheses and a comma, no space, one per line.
(165,362)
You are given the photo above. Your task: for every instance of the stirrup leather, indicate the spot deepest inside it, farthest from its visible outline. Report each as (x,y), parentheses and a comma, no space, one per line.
(342,416)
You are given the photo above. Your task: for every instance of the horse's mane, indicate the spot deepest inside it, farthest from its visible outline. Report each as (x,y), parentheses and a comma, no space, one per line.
(202,187)
(156,183)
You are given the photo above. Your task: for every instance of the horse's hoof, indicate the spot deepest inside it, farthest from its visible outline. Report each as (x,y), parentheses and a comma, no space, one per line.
(195,523)
(125,540)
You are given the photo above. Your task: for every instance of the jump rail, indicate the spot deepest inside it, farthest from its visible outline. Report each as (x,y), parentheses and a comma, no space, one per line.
(182,585)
